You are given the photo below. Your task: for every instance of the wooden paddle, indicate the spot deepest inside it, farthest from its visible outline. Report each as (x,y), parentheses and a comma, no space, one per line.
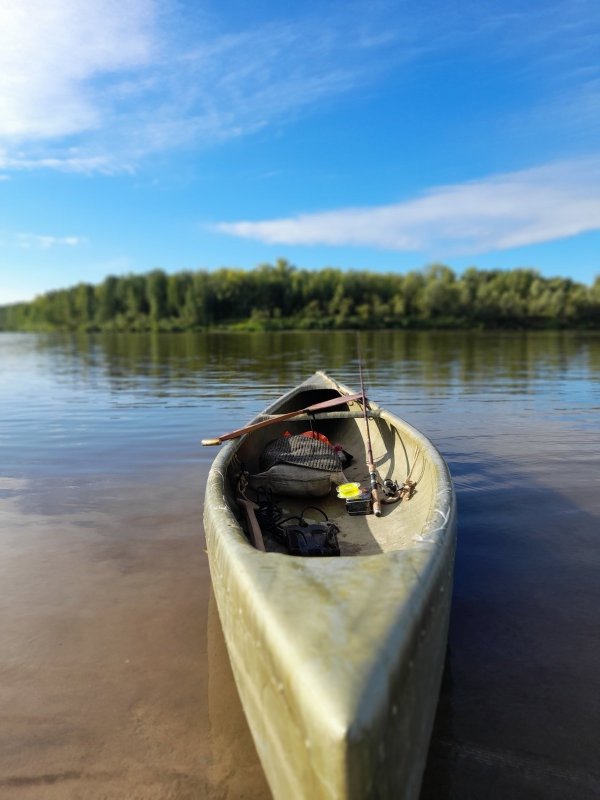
(335,401)
(255,531)
(250,509)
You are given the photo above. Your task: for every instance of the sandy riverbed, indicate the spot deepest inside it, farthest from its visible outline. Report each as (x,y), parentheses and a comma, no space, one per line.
(107,686)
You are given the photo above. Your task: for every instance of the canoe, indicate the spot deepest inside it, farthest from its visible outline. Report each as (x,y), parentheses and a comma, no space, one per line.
(337,660)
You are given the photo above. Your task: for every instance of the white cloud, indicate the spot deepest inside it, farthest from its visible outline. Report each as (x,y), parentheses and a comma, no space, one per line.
(38,241)
(512,210)
(63,160)
(50,51)
(96,85)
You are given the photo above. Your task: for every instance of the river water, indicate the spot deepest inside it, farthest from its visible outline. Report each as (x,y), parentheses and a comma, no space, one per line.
(114,681)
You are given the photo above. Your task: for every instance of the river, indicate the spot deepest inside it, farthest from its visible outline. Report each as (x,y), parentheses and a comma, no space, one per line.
(114,678)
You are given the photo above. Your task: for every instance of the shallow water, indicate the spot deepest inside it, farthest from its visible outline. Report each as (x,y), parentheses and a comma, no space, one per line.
(113,677)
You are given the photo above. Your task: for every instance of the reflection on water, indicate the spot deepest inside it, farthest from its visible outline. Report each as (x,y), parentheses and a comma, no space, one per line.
(437,357)
(99,437)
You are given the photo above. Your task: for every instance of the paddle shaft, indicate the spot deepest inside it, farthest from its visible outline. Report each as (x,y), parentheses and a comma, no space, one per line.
(255,531)
(335,401)
(370,463)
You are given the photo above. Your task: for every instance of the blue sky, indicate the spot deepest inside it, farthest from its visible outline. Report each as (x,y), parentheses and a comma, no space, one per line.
(366,135)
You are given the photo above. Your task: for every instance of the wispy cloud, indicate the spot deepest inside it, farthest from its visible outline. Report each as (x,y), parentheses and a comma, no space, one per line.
(504,211)
(30,241)
(53,157)
(97,85)
(49,52)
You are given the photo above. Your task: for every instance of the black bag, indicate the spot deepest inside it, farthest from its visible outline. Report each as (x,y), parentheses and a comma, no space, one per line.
(316,539)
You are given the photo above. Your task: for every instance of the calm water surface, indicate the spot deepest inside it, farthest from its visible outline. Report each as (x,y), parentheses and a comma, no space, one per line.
(113,677)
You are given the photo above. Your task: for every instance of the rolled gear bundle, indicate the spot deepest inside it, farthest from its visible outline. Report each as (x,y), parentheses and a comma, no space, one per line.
(299,465)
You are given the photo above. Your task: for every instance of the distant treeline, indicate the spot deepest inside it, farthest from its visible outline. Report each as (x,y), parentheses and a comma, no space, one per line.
(281,296)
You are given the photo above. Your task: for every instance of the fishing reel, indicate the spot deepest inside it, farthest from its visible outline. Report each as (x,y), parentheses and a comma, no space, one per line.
(390,489)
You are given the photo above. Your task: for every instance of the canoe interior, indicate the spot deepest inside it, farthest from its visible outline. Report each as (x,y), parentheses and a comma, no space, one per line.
(398,452)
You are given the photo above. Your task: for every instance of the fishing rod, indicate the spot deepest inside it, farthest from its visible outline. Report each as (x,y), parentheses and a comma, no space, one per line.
(370,462)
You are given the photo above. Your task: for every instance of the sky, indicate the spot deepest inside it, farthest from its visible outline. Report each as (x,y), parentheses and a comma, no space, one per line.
(377,135)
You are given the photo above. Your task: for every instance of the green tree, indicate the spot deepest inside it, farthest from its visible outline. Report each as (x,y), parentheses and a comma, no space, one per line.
(107,307)
(156,294)
(440,297)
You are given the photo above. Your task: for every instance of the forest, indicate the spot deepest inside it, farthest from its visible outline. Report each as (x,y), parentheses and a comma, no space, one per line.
(285,297)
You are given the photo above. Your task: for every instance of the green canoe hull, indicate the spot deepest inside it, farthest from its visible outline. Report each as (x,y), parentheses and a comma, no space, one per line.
(338,661)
